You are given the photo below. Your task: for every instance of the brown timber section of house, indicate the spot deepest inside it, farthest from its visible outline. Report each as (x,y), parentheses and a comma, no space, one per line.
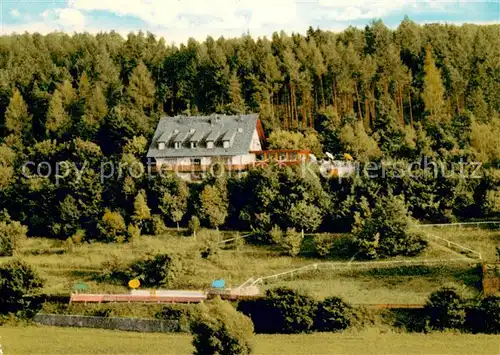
(284,157)
(281,157)
(201,168)
(491,279)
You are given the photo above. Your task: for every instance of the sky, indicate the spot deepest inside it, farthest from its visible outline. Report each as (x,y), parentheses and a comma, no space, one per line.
(178,20)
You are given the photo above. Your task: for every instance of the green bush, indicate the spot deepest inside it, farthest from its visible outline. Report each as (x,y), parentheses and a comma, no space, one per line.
(19,284)
(112,226)
(323,244)
(292,242)
(445,309)
(194,226)
(158,225)
(113,269)
(209,241)
(69,245)
(182,314)
(157,271)
(344,247)
(489,310)
(220,329)
(78,236)
(102,312)
(238,243)
(264,317)
(305,216)
(133,233)
(293,312)
(333,315)
(10,233)
(276,235)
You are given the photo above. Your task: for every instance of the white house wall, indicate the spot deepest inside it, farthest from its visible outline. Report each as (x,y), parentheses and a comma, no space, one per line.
(255,145)
(243,159)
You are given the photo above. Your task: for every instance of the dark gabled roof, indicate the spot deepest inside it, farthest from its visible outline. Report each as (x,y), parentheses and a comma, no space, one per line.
(214,134)
(165,137)
(181,136)
(237,129)
(198,136)
(230,134)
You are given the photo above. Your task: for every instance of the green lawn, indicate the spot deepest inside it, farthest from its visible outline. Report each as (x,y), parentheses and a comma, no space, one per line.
(48,340)
(62,268)
(482,240)
(386,285)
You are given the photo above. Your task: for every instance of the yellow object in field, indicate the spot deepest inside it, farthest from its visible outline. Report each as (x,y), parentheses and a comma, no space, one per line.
(334,172)
(348,156)
(134,283)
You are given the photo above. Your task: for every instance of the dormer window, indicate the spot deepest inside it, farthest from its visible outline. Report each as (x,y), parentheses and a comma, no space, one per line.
(227,140)
(194,144)
(177,145)
(210,144)
(161,145)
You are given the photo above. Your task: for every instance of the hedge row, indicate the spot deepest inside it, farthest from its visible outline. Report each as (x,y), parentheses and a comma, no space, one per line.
(446,309)
(286,311)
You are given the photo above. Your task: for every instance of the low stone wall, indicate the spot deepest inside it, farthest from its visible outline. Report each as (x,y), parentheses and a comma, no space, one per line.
(126,324)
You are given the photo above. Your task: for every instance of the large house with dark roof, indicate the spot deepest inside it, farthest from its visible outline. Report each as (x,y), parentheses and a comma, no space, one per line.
(190,146)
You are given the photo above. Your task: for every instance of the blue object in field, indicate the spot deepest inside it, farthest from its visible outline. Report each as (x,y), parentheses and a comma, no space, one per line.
(218,284)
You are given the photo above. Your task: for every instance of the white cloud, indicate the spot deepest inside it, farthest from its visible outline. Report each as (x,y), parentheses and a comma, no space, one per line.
(70,18)
(342,10)
(15,13)
(66,20)
(228,14)
(177,20)
(362,9)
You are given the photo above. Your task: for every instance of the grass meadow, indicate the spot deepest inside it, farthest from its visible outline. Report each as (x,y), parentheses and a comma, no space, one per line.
(48,340)
(62,267)
(482,240)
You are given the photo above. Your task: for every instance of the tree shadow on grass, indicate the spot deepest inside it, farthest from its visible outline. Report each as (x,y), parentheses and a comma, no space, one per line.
(44,252)
(85,274)
(470,276)
(343,248)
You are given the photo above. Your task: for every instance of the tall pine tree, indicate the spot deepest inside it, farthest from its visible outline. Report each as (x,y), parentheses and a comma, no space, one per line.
(141,88)
(58,122)
(17,118)
(433,94)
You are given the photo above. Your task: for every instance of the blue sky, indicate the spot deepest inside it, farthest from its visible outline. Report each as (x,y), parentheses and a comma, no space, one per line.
(177,20)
